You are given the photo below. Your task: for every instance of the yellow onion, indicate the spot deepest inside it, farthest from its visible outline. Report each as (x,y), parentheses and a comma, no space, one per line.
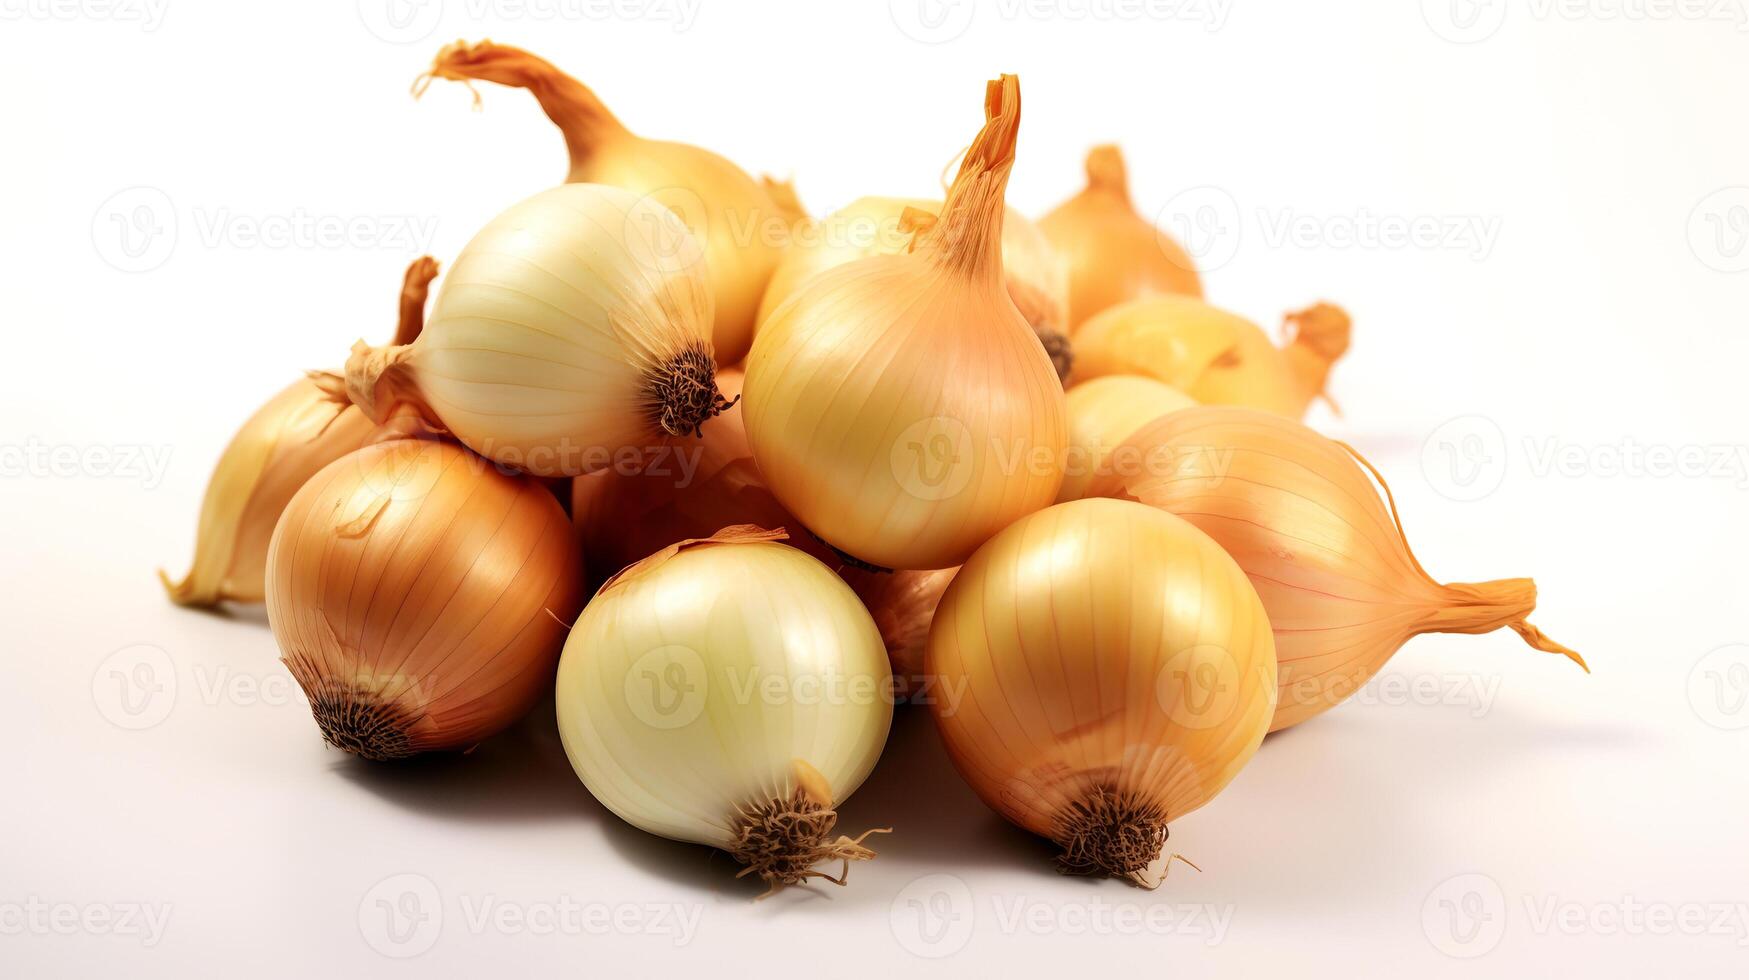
(1102,414)
(734,219)
(571,329)
(899,405)
(300,430)
(637,507)
(1329,558)
(1112,670)
(903,605)
(1035,275)
(419,596)
(1114,255)
(729,691)
(1215,357)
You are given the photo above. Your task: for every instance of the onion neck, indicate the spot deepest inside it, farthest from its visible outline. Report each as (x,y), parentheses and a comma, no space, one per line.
(415,287)
(967,237)
(581,117)
(378,380)
(1487,606)
(1106,172)
(1318,337)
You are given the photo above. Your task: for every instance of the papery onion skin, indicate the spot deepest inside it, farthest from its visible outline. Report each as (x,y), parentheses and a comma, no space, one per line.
(1106,668)
(1102,414)
(1036,276)
(1114,255)
(724,690)
(300,430)
(572,328)
(1215,357)
(624,513)
(903,605)
(739,225)
(419,596)
(1300,513)
(899,405)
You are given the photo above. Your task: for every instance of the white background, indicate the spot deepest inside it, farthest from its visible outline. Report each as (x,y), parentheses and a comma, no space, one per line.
(1431,829)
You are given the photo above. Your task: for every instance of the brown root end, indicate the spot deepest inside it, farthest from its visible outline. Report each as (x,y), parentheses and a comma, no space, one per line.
(682,395)
(1110,833)
(783,840)
(1057,346)
(357,721)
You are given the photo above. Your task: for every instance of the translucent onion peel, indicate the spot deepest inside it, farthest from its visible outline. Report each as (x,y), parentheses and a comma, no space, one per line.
(1102,414)
(300,430)
(571,329)
(899,405)
(419,596)
(1114,671)
(1301,514)
(1036,276)
(1114,255)
(729,691)
(903,605)
(625,513)
(1215,357)
(727,209)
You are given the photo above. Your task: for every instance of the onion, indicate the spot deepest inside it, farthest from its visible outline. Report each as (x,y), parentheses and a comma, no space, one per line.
(721,204)
(903,605)
(1102,414)
(1214,356)
(571,330)
(419,597)
(1329,558)
(1035,275)
(625,513)
(300,430)
(899,405)
(1113,671)
(729,692)
(1114,255)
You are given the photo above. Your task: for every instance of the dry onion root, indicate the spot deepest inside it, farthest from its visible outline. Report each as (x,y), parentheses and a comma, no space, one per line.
(1114,255)
(572,329)
(1113,671)
(735,220)
(1328,556)
(900,405)
(1036,276)
(1216,357)
(419,596)
(300,430)
(729,691)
